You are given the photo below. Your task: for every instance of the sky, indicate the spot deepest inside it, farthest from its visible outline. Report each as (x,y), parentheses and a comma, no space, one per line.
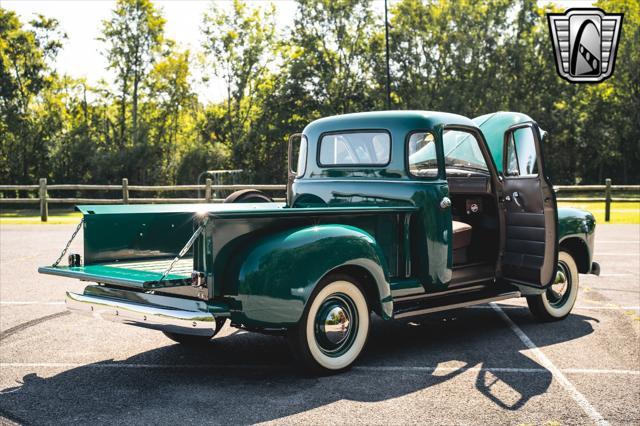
(81,20)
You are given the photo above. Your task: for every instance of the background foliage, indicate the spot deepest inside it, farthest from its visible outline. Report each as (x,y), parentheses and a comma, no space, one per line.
(460,56)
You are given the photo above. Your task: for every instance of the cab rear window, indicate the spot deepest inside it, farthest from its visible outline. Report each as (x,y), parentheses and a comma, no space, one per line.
(366,148)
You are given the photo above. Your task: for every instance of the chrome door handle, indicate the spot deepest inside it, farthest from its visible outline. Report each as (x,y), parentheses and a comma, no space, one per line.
(515,199)
(445,203)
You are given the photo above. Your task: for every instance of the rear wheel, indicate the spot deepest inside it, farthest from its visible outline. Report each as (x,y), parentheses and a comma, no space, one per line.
(556,303)
(334,327)
(192,340)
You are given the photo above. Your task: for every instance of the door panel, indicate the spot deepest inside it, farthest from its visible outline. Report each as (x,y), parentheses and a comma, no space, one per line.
(529,206)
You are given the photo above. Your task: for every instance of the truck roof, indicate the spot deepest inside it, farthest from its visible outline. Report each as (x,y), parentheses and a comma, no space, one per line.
(392,120)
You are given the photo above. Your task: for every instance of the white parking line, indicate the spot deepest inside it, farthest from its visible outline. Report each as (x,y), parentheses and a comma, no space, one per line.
(617,254)
(495,369)
(593,308)
(555,371)
(30,303)
(380,368)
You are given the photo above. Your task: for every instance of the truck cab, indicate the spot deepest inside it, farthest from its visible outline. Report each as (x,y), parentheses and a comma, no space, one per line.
(475,222)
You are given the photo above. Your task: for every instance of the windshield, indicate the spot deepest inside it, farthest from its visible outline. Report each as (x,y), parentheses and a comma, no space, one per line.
(461,151)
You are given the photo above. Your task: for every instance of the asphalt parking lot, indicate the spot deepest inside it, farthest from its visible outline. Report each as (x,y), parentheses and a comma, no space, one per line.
(490,364)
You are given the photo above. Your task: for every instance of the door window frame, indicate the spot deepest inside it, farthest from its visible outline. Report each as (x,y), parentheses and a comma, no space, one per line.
(537,141)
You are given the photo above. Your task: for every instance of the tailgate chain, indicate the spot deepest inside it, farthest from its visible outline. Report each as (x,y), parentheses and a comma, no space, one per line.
(186,248)
(64,251)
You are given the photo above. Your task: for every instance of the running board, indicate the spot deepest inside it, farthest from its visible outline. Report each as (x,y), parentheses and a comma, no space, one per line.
(439,305)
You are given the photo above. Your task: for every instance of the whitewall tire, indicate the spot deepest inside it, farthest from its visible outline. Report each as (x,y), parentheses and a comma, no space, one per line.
(334,327)
(556,303)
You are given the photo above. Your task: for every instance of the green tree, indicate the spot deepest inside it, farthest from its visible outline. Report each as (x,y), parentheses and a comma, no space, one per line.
(332,57)
(240,46)
(171,115)
(134,38)
(448,55)
(618,105)
(26,74)
(148,125)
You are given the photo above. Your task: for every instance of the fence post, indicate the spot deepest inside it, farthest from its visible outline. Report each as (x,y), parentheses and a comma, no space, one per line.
(607,200)
(42,193)
(207,191)
(125,191)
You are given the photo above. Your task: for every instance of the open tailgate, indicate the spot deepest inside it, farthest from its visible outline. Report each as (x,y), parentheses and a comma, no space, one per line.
(141,274)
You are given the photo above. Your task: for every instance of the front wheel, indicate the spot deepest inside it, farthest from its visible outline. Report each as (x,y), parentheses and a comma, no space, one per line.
(334,327)
(556,303)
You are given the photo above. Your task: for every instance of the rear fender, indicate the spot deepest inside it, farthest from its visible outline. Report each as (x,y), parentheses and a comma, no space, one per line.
(280,272)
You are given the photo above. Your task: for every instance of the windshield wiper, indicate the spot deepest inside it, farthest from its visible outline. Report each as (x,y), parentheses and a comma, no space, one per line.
(467,166)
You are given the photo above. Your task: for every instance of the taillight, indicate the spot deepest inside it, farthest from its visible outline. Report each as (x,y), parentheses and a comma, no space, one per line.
(198,279)
(75,260)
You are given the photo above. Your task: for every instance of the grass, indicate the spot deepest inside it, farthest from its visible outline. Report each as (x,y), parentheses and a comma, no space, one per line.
(620,213)
(32,216)
(627,212)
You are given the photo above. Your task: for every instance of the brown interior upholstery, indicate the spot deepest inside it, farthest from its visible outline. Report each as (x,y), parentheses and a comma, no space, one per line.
(461,235)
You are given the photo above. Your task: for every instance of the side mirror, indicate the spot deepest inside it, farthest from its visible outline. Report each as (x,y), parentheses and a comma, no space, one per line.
(296,162)
(297,155)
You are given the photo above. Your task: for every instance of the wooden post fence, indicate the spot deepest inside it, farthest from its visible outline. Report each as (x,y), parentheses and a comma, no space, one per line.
(207,190)
(607,194)
(607,200)
(125,191)
(44,208)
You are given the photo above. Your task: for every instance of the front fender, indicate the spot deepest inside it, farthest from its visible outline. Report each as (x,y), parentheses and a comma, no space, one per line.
(280,272)
(576,231)
(575,222)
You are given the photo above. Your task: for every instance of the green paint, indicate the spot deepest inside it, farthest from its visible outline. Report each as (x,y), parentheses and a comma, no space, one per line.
(127,277)
(279,272)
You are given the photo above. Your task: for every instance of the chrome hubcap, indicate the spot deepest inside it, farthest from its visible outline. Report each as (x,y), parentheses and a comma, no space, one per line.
(335,324)
(559,291)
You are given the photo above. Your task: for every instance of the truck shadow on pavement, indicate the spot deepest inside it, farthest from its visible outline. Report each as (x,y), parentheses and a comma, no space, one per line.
(249,378)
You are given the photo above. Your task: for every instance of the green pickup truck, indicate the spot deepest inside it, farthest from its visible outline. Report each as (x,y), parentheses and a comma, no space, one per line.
(401,213)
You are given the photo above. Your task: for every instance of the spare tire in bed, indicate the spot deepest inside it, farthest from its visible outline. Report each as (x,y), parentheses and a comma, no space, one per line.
(248,196)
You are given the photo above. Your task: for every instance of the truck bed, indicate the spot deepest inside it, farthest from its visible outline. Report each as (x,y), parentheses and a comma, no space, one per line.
(132,245)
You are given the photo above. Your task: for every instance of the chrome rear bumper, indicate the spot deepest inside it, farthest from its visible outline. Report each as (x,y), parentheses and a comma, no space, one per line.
(144,310)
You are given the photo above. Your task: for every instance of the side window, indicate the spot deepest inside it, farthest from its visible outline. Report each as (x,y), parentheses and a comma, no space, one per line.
(521,153)
(421,150)
(357,148)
